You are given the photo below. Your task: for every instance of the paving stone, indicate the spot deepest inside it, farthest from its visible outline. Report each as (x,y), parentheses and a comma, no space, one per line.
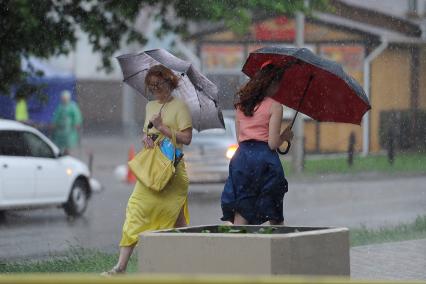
(404,260)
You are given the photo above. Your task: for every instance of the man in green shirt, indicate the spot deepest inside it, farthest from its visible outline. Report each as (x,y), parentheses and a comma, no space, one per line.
(67,121)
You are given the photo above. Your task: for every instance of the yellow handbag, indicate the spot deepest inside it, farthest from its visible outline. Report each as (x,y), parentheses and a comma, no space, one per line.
(152,168)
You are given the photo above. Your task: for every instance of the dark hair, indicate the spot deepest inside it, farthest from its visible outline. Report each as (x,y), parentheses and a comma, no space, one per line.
(164,73)
(254,91)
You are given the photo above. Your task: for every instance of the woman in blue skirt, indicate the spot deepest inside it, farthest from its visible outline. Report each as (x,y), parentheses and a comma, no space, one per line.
(256,185)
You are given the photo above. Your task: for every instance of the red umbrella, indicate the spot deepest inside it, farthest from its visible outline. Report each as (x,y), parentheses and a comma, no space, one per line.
(313,85)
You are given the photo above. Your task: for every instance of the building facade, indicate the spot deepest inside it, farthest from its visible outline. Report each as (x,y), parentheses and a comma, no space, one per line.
(384,53)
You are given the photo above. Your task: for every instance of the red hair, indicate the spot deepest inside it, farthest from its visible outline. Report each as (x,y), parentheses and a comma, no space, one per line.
(163,73)
(254,91)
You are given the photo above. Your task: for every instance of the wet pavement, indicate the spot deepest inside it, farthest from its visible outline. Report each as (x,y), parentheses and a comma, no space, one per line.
(390,261)
(349,201)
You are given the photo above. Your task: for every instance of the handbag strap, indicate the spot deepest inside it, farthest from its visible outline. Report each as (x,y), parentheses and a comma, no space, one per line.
(174,144)
(173,135)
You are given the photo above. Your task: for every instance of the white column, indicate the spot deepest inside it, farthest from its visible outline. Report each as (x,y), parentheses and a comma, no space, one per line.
(128,118)
(366,118)
(128,111)
(298,127)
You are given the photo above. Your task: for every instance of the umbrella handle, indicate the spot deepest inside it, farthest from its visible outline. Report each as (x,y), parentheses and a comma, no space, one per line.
(150,124)
(297,112)
(286,150)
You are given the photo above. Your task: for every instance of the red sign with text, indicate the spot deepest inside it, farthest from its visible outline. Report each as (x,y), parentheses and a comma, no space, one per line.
(279,29)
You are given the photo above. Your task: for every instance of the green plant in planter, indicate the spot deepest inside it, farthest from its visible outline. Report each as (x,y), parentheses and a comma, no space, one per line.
(231,230)
(269,230)
(226,229)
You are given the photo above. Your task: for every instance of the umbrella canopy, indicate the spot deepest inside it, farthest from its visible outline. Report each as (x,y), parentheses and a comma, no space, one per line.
(199,93)
(315,86)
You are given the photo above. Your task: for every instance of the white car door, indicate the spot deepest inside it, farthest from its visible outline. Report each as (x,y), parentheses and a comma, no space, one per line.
(17,172)
(52,183)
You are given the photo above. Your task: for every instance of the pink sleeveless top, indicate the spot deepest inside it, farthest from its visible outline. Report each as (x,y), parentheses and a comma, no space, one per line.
(255,127)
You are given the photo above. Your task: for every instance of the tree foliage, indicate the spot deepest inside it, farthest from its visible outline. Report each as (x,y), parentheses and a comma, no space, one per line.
(46,28)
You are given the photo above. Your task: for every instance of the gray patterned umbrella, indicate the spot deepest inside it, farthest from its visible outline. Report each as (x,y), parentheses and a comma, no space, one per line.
(199,93)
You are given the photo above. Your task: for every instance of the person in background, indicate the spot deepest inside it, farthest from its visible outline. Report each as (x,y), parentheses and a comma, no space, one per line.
(254,191)
(66,123)
(21,109)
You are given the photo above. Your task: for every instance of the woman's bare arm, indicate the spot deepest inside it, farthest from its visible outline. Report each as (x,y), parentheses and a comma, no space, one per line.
(274,140)
(276,137)
(182,137)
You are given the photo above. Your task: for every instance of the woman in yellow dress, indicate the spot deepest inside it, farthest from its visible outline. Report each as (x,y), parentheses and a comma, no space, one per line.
(149,210)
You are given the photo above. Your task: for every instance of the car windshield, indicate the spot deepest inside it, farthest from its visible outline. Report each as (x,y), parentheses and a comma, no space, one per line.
(211,132)
(216,132)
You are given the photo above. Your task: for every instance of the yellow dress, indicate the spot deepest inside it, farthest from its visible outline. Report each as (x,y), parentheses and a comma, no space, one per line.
(148,210)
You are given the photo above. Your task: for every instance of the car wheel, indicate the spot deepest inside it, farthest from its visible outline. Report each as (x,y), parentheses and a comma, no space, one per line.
(2,215)
(77,201)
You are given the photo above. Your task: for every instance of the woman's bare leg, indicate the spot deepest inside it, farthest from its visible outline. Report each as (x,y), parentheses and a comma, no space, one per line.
(181,221)
(123,259)
(239,220)
(126,252)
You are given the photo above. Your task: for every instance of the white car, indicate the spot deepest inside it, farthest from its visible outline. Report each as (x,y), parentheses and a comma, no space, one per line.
(207,157)
(33,172)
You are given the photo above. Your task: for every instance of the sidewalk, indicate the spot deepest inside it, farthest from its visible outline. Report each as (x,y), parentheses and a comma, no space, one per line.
(404,260)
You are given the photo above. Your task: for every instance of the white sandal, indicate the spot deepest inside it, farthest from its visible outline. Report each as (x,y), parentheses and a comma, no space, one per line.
(114,271)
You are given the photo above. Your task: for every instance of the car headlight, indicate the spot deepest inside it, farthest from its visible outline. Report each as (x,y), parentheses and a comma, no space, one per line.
(69,171)
(231,151)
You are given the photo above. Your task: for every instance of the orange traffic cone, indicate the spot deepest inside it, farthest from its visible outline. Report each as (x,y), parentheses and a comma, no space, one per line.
(130,176)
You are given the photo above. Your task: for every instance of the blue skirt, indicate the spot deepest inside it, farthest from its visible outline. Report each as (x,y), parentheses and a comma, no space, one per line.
(256,185)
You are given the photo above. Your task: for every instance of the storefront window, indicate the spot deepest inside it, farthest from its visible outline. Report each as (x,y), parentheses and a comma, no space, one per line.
(217,58)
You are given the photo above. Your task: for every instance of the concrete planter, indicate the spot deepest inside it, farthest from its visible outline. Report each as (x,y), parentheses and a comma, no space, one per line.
(288,250)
